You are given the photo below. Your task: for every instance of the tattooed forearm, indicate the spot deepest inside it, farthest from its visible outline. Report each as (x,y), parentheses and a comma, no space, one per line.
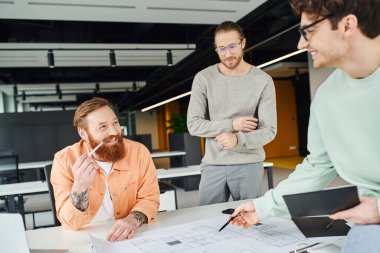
(140,217)
(80,200)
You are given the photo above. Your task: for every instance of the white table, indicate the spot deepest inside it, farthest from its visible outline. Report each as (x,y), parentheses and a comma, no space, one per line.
(11,191)
(41,164)
(78,241)
(194,170)
(33,165)
(19,189)
(180,155)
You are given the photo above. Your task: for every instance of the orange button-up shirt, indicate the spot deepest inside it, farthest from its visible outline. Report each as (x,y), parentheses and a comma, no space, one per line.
(132,184)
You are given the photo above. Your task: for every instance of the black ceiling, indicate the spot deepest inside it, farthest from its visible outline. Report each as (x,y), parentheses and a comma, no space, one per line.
(163,82)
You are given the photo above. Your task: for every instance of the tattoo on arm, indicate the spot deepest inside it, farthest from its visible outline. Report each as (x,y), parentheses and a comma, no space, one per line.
(80,200)
(140,217)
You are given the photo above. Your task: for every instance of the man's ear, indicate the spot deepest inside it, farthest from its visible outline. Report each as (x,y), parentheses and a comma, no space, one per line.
(82,133)
(243,43)
(350,25)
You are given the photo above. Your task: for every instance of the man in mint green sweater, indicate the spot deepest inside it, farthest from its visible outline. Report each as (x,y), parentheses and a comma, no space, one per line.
(224,100)
(344,135)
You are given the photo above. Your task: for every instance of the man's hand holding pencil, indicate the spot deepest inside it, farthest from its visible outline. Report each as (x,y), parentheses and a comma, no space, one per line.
(84,171)
(245,215)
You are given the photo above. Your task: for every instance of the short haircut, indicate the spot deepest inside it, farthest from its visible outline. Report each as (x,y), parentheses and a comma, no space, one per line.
(87,107)
(228,26)
(366,11)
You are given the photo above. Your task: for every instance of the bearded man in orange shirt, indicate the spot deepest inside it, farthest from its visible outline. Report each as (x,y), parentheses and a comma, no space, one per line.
(116,182)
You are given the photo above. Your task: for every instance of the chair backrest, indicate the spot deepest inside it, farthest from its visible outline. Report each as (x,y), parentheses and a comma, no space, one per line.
(9,172)
(47,170)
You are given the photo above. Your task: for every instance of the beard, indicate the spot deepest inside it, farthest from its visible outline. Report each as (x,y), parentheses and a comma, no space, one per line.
(229,66)
(108,153)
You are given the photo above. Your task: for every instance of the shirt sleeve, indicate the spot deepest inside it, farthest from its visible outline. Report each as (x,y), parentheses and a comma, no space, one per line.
(62,180)
(315,173)
(198,120)
(267,127)
(148,194)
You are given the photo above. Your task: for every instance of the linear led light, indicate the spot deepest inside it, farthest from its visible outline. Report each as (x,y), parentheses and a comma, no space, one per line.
(166,101)
(281,58)
(49,99)
(189,92)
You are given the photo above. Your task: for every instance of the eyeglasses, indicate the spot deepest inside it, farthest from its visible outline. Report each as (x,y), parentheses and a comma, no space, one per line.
(233,48)
(302,29)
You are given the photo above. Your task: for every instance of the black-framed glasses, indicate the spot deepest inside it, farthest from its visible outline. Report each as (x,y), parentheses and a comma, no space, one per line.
(233,48)
(302,29)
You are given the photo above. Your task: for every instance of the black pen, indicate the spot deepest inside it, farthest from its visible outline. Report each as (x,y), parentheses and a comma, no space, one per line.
(228,222)
(330,224)
(304,249)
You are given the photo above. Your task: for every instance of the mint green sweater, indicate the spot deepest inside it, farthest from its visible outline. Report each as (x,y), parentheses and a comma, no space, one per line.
(343,138)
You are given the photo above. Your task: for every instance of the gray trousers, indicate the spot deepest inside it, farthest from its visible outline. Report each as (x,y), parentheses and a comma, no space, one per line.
(218,182)
(363,238)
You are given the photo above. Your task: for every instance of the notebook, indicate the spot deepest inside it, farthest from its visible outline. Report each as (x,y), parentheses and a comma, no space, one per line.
(310,210)
(13,237)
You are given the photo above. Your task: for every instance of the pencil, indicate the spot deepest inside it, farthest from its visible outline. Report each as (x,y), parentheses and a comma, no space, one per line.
(96,148)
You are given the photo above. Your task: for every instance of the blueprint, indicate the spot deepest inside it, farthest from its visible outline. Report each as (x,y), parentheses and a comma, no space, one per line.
(272,235)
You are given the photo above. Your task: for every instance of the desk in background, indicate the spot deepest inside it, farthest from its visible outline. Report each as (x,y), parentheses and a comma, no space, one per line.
(28,188)
(11,191)
(194,170)
(39,165)
(180,156)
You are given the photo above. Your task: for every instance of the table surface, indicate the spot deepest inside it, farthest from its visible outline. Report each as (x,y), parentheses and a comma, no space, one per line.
(78,241)
(23,188)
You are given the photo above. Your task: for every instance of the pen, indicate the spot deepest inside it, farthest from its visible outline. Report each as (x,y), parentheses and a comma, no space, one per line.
(304,249)
(96,148)
(330,224)
(228,222)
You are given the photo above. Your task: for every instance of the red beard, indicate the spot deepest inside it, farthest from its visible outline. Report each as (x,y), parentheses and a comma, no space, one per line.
(108,153)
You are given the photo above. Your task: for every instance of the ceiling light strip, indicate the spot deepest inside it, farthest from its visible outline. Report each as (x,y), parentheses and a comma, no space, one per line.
(189,92)
(281,58)
(82,5)
(167,101)
(189,9)
(88,46)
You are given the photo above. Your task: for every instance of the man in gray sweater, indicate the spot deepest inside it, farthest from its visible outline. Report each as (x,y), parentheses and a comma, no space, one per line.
(232,105)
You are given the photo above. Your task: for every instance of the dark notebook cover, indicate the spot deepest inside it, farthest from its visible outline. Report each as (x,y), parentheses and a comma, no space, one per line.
(310,210)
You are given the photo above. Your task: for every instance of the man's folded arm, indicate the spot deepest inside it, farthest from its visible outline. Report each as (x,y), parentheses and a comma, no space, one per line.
(197,121)
(267,127)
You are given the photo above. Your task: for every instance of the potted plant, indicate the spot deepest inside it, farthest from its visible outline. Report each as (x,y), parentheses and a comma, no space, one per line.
(178,123)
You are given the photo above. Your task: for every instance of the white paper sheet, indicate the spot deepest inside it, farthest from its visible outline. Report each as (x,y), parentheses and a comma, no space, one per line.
(273,235)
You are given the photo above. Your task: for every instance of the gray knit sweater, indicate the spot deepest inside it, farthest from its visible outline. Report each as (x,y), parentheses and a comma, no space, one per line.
(216,99)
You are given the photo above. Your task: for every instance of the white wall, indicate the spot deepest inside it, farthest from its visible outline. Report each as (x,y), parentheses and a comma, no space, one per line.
(317,76)
(146,123)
